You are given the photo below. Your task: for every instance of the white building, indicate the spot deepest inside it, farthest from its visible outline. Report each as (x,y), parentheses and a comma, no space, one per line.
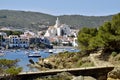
(75,42)
(29,34)
(23,42)
(13,41)
(3,34)
(58,30)
(18,42)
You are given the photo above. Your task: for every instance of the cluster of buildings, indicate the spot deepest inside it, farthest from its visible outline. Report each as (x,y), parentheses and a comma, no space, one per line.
(62,34)
(26,40)
(59,34)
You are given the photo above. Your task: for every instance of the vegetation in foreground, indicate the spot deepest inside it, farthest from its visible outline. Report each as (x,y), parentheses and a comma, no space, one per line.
(105,38)
(8,69)
(63,60)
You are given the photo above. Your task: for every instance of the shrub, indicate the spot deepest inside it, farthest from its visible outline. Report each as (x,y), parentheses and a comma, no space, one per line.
(114,54)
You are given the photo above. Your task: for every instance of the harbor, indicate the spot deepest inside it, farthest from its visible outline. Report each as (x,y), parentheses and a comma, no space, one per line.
(25,55)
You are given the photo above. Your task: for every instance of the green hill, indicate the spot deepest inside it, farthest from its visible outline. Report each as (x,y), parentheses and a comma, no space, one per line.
(35,20)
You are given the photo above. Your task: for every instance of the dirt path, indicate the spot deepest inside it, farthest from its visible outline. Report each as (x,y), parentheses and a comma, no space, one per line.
(97,62)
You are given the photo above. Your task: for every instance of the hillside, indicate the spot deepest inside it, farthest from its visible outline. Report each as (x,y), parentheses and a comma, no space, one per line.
(36,20)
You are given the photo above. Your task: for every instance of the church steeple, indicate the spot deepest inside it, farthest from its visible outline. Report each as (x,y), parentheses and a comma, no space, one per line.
(57,23)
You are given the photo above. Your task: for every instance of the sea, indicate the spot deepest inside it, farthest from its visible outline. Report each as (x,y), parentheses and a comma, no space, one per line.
(24,59)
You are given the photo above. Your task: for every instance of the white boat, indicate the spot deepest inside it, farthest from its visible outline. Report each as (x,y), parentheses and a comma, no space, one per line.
(34,54)
(2,53)
(50,51)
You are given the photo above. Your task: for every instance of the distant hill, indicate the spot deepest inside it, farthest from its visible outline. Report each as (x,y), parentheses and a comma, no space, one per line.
(35,20)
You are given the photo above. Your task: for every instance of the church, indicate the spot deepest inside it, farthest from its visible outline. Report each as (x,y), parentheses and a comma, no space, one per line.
(58,30)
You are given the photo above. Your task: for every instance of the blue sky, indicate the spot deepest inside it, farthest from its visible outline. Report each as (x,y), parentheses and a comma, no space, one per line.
(62,7)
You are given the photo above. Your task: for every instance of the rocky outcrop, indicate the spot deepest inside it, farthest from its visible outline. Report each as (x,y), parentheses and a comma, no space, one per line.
(115,74)
(84,78)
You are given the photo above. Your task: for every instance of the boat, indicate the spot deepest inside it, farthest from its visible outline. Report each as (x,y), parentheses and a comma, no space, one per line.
(50,51)
(34,54)
(2,53)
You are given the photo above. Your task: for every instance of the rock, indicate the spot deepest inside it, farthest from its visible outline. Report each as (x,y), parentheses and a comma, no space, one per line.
(115,74)
(112,79)
(83,78)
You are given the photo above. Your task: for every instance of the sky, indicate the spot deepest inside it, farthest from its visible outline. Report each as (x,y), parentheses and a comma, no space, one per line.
(64,7)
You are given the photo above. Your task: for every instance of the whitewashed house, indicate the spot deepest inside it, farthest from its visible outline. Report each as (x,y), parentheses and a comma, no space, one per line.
(18,42)
(23,42)
(29,34)
(13,41)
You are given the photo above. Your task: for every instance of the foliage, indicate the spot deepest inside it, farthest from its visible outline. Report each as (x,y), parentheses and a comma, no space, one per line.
(5,64)
(107,37)
(114,54)
(9,67)
(13,70)
(85,37)
(10,32)
(68,60)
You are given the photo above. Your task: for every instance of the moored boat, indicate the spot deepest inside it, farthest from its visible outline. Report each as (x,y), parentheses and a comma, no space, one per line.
(2,53)
(50,51)
(34,54)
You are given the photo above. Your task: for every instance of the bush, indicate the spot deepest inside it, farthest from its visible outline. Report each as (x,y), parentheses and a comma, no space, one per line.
(114,54)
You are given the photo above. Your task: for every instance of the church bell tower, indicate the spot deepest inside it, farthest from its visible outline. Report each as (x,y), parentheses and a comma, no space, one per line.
(57,23)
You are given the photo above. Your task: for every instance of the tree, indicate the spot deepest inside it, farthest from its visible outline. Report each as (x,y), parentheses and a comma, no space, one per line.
(10,32)
(106,37)
(9,67)
(84,37)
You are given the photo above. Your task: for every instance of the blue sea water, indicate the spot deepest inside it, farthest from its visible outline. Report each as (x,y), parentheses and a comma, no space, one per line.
(24,59)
